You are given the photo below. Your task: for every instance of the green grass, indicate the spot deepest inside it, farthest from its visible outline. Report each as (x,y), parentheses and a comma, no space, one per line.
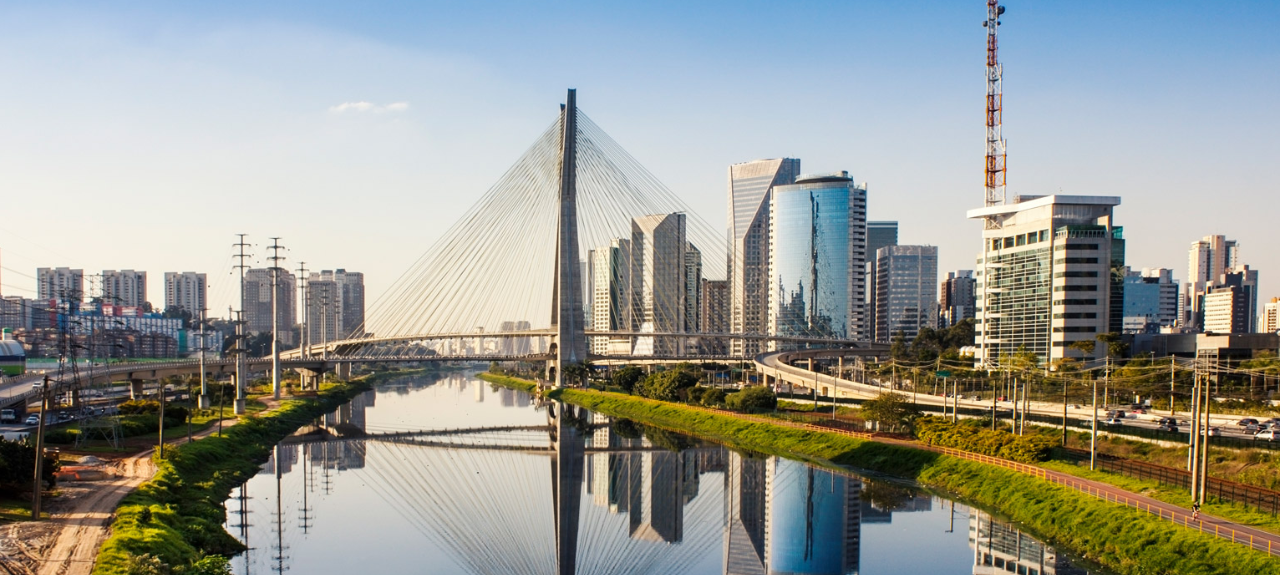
(1123,539)
(17,510)
(507,381)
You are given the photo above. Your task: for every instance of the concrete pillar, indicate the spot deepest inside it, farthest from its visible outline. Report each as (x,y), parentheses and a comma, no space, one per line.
(204,401)
(343,371)
(135,388)
(239,406)
(75,399)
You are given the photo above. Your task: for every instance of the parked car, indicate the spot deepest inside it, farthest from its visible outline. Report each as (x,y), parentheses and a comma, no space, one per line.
(1247,421)
(1268,435)
(32,420)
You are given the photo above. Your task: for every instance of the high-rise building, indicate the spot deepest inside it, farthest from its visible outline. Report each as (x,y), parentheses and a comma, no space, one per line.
(714,315)
(609,276)
(185,291)
(1231,306)
(63,284)
(257,303)
(748,265)
(658,248)
(907,291)
(692,289)
(879,235)
(124,287)
(1150,300)
(956,301)
(1270,320)
(1045,275)
(1209,258)
(335,305)
(817,247)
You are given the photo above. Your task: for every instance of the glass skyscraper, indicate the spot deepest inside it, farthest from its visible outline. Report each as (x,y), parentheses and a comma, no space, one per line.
(906,291)
(817,250)
(749,187)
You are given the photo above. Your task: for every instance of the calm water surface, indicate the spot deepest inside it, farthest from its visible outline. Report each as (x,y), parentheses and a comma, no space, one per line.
(448,475)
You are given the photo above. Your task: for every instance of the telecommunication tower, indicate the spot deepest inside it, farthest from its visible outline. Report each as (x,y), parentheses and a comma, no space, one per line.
(995,164)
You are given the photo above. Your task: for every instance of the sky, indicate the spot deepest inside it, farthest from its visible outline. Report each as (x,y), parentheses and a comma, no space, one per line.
(145,135)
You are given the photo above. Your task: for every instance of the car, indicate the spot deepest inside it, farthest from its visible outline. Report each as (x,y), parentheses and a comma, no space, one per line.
(37,386)
(1168,428)
(1214,431)
(1139,410)
(1253,427)
(1247,422)
(1167,421)
(1268,435)
(8,415)
(32,420)
(1114,421)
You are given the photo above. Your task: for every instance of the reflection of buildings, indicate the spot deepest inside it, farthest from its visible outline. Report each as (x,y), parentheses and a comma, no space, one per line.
(652,486)
(348,419)
(744,502)
(999,548)
(812,521)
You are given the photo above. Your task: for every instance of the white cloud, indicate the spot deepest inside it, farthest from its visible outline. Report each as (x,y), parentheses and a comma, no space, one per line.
(362,107)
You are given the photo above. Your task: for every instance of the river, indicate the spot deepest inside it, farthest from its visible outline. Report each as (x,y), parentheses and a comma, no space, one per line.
(446,474)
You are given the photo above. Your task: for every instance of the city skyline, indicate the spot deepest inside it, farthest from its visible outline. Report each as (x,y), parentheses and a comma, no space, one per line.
(299,146)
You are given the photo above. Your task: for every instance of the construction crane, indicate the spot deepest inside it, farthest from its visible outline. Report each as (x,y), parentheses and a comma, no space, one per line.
(995,165)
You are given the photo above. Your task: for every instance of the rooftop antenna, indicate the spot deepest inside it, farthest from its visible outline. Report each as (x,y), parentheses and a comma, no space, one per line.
(995,163)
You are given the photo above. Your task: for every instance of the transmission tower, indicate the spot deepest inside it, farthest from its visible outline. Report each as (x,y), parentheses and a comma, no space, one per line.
(242,369)
(275,258)
(995,161)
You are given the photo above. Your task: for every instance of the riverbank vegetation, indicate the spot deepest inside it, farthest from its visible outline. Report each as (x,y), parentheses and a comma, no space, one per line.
(175,519)
(1126,540)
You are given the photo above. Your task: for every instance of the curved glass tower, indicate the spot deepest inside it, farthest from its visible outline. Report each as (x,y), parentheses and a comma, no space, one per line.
(817,252)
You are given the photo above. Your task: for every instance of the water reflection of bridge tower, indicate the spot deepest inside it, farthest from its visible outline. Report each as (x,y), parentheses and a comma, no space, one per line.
(999,548)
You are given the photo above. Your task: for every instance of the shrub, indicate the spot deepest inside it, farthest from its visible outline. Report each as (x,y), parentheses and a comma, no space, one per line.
(752,399)
(667,385)
(976,439)
(18,464)
(60,436)
(892,410)
(713,397)
(139,407)
(627,378)
(694,395)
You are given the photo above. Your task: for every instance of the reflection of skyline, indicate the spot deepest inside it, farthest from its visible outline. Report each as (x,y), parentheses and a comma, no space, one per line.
(998,548)
(647,509)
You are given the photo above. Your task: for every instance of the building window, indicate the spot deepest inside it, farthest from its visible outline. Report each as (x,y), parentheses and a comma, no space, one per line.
(1076,247)
(1076,329)
(1076,261)
(1062,302)
(1076,315)
(1076,288)
(1076,274)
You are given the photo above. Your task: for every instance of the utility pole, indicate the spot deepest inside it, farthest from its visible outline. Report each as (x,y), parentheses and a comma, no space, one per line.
(1173,378)
(242,370)
(38,483)
(275,258)
(160,447)
(1093,437)
(306,311)
(204,344)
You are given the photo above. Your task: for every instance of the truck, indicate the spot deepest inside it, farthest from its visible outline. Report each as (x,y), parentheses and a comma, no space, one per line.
(8,416)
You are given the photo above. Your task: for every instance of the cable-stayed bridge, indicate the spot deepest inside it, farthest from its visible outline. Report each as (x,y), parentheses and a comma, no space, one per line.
(577,253)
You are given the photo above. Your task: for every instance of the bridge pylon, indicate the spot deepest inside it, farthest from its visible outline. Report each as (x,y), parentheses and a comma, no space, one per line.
(570,341)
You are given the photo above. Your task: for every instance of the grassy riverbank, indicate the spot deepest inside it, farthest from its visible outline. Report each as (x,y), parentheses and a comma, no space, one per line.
(177,516)
(1125,540)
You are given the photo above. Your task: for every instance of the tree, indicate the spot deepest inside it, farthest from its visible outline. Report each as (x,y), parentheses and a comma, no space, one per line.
(752,399)
(576,374)
(891,409)
(1115,347)
(18,464)
(627,378)
(667,385)
(713,397)
(898,347)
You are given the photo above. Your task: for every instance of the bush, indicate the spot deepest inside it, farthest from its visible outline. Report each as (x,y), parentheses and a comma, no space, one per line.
(139,407)
(61,436)
(752,399)
(627,378)
(713,397)
(667,385)
(974,438)
(694,395)
(18,464)
(892,410)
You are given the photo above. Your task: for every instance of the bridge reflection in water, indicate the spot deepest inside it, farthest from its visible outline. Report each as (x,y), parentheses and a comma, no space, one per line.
(560,490)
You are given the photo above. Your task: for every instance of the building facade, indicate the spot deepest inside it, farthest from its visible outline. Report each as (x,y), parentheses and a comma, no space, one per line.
(124,287)
(1150,300)
(658,248)
(956,298)
(257,303)
(1045,275)
(1231,304)
(714,316)
(907,291)
(1270,320)
(335,305)
(1209,258)
(750,184)
(609,275)
(186,291)
(817,251)
(64,284)
(879,234)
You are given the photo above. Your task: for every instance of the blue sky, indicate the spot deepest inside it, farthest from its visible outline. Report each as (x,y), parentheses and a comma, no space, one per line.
(144,136)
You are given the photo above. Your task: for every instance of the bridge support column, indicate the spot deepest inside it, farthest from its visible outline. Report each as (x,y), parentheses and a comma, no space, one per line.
(135,388)
(310,378)
(75,399)
(240,404)
(343,371)
(204,401)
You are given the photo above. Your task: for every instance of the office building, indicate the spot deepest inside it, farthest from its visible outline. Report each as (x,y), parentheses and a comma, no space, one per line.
(1045,275)
(1150,300)
(817,248)
(1209,258)
(335,305)
(609,278)
(521,345)
(186,291)
(879,235)
(749,189)
(658,248)
(1270,320)
(124,287)
(257,303)
(714,316)
(1231,304)
(907,291)
(956,302)
(692,289)
(62,284)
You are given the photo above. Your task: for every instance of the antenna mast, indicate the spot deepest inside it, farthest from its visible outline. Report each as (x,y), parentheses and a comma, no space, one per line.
(995,168)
